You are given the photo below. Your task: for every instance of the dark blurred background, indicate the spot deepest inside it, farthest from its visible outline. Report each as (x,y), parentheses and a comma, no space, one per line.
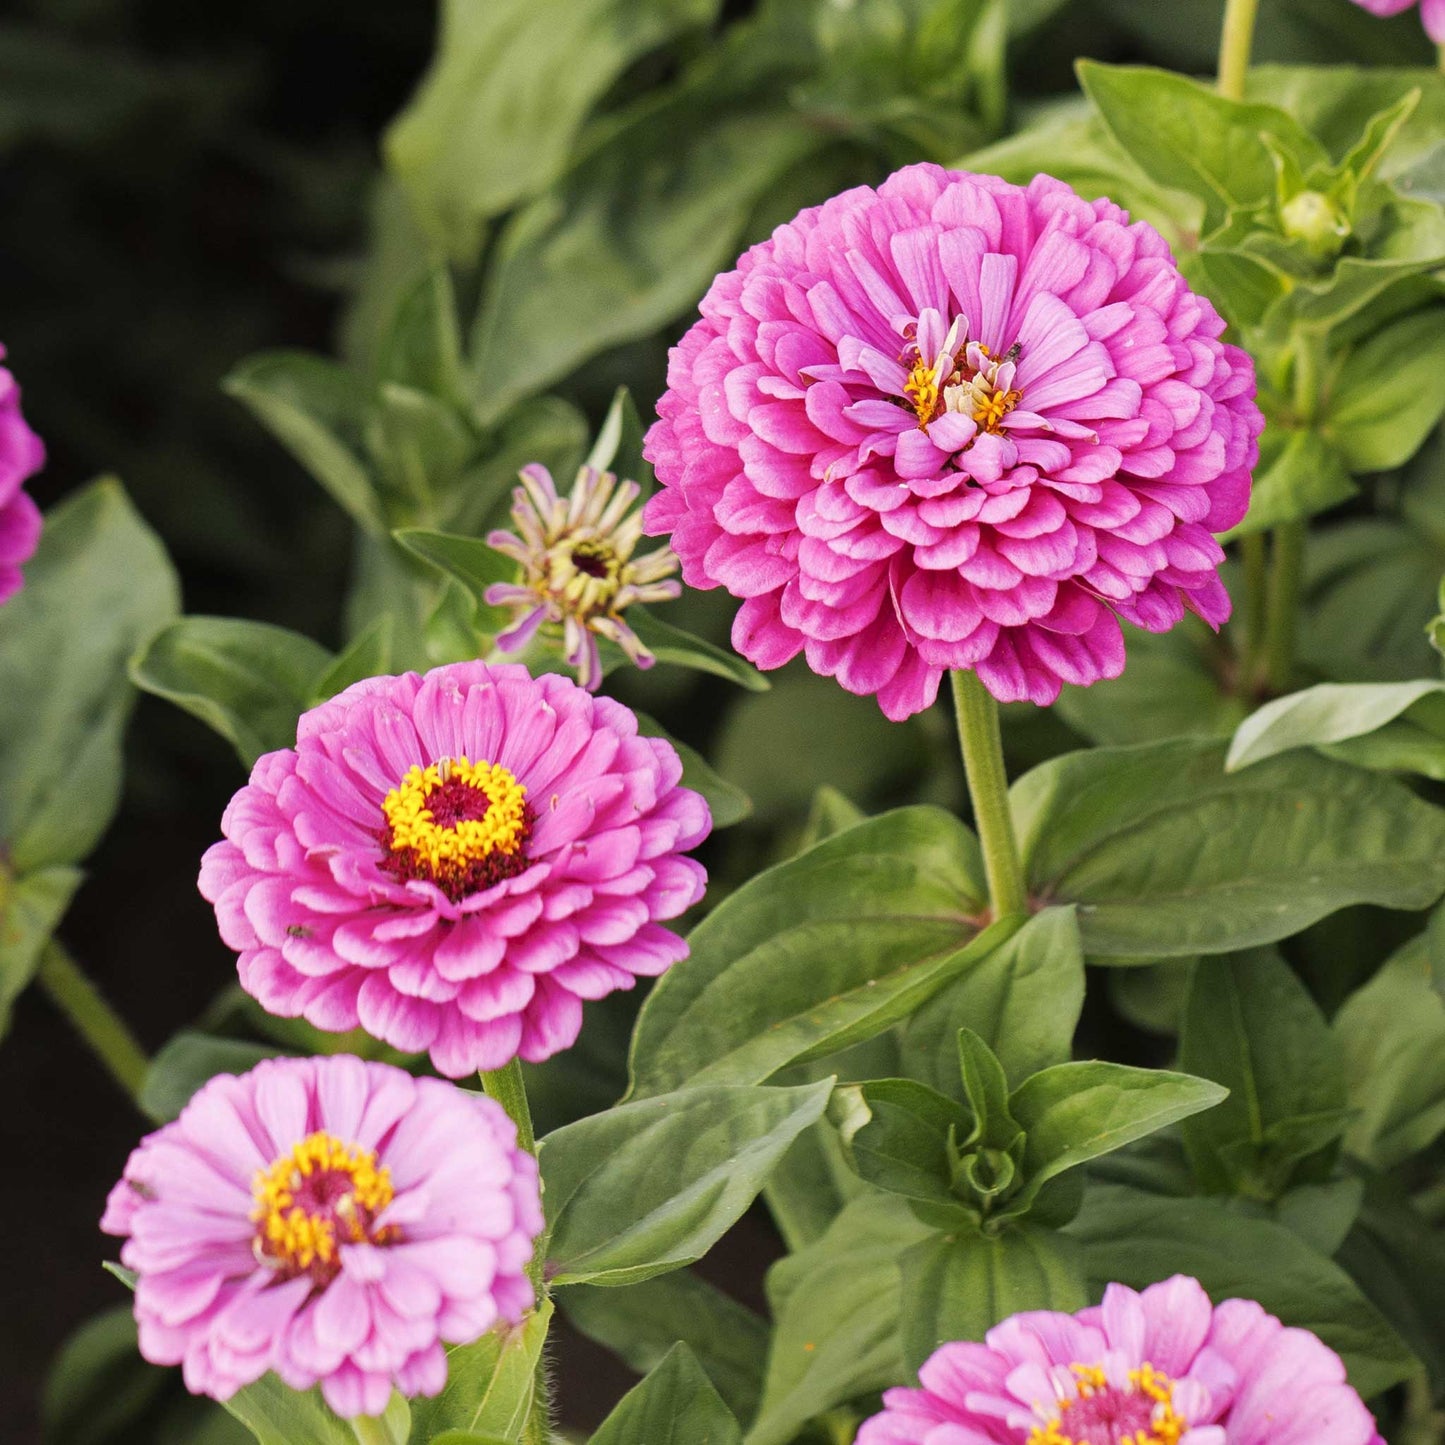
(182,185)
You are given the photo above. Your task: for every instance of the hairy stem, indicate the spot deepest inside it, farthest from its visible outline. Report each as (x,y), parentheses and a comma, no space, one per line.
(1235,44)
(982,745)
(109,1036)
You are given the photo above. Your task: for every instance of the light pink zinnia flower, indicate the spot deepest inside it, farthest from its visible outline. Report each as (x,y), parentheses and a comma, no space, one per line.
(953,423)
(22,454)
(455,862)
(1432,12)
(330,1220)
(1159,1368)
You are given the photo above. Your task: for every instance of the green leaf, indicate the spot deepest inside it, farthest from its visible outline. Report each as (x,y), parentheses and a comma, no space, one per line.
(189,1060)
(318,411)
(618,448)
(1329,713)
(818,953)
(1023,1000)
(1075,1112)
(898,1133)
(651,1186)
(1300,475)
(671,644)
(727,804)
(1167,855)
(98,586)
(1391,393)
(959,1286)
(1251,1025)
(422,350)
(98,1384)
(496,118)
(1137,1239)
(30,911)
(489,1383)
(837,1306)
(1392,1033)
(675,1405)
(1187,136)
(368,654)
(642,1322)
(278,1415)
(575,272)
(249,681)
(470,562)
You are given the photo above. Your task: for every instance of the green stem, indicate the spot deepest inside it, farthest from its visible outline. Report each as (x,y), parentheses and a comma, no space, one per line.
(1254,553)
(108,1035)
(1235,44)
(982,743)
(506,1087)
(1285,585)
(1440,57)
(370,1430)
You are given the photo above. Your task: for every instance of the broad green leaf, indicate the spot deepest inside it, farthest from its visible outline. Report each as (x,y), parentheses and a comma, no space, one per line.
(1251,1025)
(1300,474)
(277,1415)
(1137,1238)
(98,1384)
(727,804)
(1023,1000)
(959,1286)
(575,273)
(470,562)
(671,644)
(818,953)
(30,911)
(249,681)
(642,1322)
(1392,1033)
(186,1062)
(98,586)
(812,1183)
(1168,855)
(675,1405)
(1391,393)
(368,654)
(898,1132)
(489,1383)
(1329,713)
(837,1307)
(1187,136)
(318,411)
(1075,1112)
(497,116)
(651,1186)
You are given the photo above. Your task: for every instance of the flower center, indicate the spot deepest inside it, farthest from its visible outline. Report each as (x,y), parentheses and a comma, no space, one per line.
(587,575)
(965,378)
(1141,1413)
(321,1195)
(458,824)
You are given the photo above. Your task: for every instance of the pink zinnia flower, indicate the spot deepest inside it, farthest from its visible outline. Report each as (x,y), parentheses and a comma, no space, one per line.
(1432,12)
(330,1220)
(1159,1368)
(22,454)
(455,862)
(953,423)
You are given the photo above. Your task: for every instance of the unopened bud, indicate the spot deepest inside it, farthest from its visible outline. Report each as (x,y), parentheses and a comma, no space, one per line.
(1315,219)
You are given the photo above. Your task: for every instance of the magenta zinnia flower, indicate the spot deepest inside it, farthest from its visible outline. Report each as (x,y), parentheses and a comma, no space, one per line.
(330,1220)
(953,423)
(1159,1368)
(1432,12)
(22,454)
(455,862)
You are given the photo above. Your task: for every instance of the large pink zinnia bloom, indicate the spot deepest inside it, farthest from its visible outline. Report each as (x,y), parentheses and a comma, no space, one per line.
(330,1220)
(455,862)
(1164,1367)
(22,454)
(953,423)
(1432,12)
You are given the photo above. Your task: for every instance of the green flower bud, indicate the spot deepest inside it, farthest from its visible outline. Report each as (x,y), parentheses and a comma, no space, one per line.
(1315,219)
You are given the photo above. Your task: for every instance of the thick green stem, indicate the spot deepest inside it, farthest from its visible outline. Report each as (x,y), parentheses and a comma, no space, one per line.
(1286,580)
(982,744)
(109,1037)
(1235,44)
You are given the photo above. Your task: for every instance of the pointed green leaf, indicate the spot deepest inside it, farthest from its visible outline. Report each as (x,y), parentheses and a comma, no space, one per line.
(187,1061)
(671,644)
(30,911)
(727,804)
(368,654)
(675,1405)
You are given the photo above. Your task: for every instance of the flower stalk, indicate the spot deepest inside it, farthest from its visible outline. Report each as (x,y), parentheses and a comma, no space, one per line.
(1235,44)
(110,1039)
(981,741)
